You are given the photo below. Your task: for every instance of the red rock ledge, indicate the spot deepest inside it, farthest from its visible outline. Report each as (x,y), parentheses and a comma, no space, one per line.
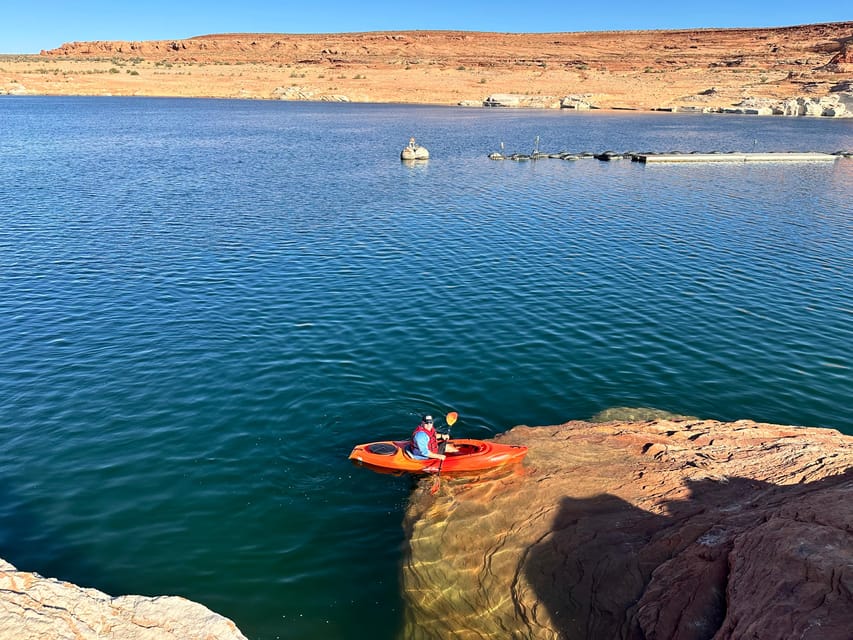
(667,529)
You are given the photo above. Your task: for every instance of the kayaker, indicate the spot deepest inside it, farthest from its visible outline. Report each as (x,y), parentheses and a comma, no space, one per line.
(424,444)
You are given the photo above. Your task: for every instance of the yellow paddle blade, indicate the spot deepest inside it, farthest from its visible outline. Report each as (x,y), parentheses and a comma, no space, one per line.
(451,418)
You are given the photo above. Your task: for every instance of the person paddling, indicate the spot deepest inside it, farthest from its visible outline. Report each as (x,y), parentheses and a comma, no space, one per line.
(424,443)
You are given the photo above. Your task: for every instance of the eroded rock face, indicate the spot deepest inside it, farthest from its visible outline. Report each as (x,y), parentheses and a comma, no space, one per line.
(37,608)
(834,105)
(675,529)
(843,57)
(660,70)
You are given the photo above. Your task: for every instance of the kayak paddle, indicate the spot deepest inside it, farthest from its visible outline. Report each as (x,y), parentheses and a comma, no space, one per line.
(451,420)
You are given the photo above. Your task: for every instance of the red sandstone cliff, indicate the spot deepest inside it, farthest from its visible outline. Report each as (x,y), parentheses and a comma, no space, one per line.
(632,69)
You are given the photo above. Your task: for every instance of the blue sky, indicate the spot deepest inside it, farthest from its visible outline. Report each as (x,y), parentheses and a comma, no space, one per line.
(27,26)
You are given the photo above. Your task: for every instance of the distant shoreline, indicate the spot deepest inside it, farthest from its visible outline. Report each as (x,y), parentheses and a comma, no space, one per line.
(594,111)
(689,69)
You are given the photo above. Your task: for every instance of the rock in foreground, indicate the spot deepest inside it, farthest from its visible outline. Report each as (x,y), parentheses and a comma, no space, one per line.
(668,529)
(37,608)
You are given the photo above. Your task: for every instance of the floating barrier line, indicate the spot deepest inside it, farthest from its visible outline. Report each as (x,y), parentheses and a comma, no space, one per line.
(775,156)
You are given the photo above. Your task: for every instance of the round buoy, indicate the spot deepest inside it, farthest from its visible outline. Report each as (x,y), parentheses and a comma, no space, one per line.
(414,152)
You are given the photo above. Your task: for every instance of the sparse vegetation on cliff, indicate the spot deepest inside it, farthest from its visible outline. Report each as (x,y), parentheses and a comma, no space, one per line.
(640,69)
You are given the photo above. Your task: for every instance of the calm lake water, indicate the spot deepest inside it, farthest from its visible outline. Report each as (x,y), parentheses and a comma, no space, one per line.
(205,304)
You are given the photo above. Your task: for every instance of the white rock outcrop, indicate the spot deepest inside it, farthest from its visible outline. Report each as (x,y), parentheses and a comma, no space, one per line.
(292,93)
(13,89)
(523,101)
(830,106)
(845,97)
(577,101)
(37,608)
(502,100)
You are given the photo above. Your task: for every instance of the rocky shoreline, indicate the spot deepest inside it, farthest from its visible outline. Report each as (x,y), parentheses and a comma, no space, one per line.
(37,608)
(838,104)
(682,529)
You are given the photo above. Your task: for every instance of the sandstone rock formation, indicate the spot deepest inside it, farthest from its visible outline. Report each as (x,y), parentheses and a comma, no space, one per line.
(579,102)
(37,608)
(676,529)
(844,58)
(668,70)
(516,100)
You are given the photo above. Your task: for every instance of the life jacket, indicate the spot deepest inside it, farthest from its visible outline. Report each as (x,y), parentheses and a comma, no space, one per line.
(433,441)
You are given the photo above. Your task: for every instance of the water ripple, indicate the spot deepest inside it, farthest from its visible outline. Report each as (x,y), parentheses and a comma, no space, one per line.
(191,346)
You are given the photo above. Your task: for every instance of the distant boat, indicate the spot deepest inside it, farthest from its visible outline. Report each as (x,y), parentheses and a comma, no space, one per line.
(414,152)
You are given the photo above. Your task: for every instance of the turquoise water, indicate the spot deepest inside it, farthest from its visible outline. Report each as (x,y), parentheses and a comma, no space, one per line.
(205,304)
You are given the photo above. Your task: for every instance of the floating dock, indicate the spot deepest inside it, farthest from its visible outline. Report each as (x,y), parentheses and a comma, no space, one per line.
(683,157)
(734,157)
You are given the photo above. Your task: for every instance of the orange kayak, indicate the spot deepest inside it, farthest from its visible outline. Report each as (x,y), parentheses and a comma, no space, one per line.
(472,455)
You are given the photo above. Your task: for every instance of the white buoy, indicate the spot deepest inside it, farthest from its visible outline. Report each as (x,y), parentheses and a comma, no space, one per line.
(414,152)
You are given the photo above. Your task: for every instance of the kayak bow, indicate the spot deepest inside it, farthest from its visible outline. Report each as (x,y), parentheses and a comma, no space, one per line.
(472,455)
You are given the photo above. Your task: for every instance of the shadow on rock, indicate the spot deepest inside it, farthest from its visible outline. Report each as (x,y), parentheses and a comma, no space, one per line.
(733,559)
